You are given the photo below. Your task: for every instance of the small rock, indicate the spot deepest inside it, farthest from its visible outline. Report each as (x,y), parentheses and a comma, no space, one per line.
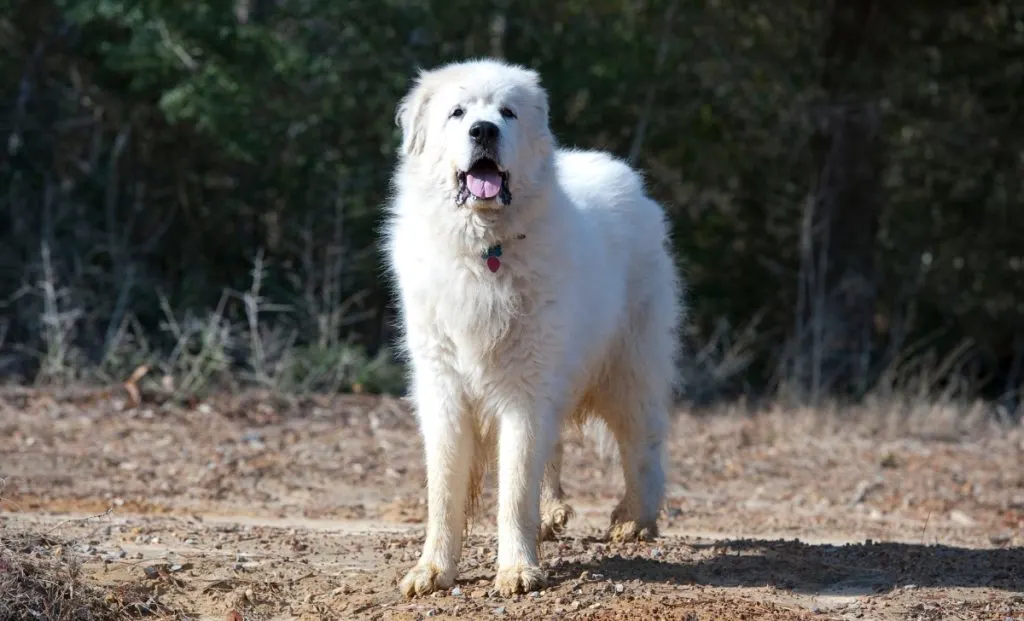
(478,593)
(889,460)
(500,610)
(575,605)
(456,592)
(961,519)
(620,589)
(1000,539)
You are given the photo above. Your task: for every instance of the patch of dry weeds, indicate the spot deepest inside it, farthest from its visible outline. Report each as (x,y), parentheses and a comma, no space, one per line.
(41,578)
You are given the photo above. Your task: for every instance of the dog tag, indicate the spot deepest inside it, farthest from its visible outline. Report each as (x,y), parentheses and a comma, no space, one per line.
(493,263)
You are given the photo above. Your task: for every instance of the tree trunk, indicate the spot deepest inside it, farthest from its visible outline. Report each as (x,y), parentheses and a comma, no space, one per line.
(835,319)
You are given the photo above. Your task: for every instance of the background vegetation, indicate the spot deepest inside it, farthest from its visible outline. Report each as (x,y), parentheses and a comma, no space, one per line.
(195,186)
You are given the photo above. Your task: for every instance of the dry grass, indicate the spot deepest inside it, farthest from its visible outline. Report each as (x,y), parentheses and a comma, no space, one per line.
(41,580)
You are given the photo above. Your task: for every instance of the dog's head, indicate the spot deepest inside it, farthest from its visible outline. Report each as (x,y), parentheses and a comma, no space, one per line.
(480,127)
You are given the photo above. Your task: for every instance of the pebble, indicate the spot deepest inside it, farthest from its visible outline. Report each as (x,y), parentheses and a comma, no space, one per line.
(620,589)
(456,592)
(1000,539)
(500,610)
(118,554)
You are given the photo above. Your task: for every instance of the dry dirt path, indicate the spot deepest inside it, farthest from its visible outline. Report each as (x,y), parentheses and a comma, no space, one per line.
(312,509)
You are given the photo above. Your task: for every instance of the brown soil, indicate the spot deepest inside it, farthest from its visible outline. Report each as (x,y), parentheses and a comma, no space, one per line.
(264,507)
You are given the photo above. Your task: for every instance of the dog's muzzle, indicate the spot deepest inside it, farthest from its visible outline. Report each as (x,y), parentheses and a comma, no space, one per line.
(484,181)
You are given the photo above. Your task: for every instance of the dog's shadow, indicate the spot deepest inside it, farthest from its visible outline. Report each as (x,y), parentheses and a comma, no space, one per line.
(851,569)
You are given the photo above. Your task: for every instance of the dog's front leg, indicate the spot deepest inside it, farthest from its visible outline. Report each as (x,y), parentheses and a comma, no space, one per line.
(525,440)
(449,445)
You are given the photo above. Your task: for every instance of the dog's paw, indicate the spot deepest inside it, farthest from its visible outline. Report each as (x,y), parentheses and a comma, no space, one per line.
(424,579)
(631,530)
(554,520)
(519,579)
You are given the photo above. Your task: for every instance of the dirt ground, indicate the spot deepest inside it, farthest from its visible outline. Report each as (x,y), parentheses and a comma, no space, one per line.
(263,507)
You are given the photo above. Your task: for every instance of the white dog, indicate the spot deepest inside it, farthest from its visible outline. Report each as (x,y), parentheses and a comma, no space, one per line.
(536,286)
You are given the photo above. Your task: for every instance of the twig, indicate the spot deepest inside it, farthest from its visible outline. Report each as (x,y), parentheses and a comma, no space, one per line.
(663,44)
(110,509)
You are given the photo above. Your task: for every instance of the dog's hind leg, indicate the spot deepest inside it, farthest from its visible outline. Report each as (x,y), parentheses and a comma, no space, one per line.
(640,432)
(555,512)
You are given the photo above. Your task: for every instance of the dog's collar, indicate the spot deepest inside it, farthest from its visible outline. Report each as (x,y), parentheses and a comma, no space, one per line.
(492,256)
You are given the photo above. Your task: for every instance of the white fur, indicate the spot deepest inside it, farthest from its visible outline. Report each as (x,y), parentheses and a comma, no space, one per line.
(579,321)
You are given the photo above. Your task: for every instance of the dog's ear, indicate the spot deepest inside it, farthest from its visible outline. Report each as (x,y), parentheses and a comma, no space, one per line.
(539,92)
(409,116)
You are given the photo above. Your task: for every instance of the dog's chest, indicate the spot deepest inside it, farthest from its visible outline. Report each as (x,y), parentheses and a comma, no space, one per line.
(479,312)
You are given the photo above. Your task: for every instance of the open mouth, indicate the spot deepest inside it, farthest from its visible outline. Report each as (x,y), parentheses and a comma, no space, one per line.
(484,181)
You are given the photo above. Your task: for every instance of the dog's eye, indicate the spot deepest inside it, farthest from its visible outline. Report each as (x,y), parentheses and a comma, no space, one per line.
(457,112)
(507,113)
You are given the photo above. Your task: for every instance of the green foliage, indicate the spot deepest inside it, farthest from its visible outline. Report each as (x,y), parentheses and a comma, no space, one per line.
(155,147)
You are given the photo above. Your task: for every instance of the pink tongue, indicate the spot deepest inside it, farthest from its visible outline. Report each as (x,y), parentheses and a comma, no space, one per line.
(484,185)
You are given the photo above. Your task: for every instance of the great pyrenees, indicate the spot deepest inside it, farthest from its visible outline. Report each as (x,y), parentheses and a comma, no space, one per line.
(536,287)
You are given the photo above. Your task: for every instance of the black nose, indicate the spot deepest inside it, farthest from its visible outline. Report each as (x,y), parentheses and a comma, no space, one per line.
(483,132)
